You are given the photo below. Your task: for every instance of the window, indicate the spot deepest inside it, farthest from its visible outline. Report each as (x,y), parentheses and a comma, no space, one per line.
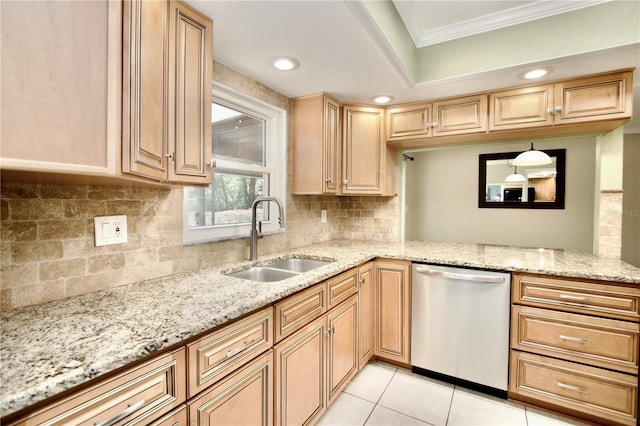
(249,140)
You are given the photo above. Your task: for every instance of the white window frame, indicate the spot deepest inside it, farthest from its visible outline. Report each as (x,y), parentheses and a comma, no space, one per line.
(275,156)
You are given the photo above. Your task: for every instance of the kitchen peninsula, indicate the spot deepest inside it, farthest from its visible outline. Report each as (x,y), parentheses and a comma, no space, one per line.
(49,348)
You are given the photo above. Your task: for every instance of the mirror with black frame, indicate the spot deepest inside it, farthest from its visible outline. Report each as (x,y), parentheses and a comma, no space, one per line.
(503,185)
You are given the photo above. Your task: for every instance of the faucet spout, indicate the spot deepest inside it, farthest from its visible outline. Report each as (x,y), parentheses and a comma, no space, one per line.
(254,228)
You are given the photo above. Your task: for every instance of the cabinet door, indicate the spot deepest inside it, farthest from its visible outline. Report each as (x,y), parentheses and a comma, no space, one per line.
(342,348)
(190,74)
(316,145)
(519,108)
(365,313)
(392,310)
(60,86)
(330,146)
(300,395)
(460,116)
(144,86)
(408,121)
(364,151)
(244,398)
(603,97)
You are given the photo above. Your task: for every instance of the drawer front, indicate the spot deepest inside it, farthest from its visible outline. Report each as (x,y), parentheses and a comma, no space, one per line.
(133,397)
(597,341)
(220,353)
(244,398)
(610,301)
(342,287)
(296,311)
(177,417)
(597,392)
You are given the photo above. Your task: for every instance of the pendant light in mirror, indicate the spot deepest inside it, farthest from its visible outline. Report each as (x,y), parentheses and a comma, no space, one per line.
(532,158)
(515,177)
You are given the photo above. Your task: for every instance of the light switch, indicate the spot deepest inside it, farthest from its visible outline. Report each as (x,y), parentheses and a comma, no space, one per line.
(110,230)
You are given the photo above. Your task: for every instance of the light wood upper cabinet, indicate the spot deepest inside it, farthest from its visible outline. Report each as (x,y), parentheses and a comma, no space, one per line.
(392,310)
(440,118)
(316,145)
(412,120)
(460,115)
(602,97)
(368,165)
(61,87)
(167,70)
(523,107)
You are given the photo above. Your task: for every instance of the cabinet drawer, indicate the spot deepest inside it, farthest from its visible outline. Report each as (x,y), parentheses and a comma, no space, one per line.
(243,398)
(136,396)
(340,288)
(296,311)
(177,417)
(606,300)
(597,341)
(221,352)
(589,390)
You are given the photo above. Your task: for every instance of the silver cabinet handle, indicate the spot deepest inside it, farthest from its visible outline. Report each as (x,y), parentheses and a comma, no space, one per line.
(574,339)
(328,180)
(345,181)
(211,163)
(169,156)
(115,419)
(330,331)
(236,351)
(575,298)
(572,388)
(461,277)
(554,110)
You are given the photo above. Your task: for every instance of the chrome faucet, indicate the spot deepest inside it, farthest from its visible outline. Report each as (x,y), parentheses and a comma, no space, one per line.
(254,227)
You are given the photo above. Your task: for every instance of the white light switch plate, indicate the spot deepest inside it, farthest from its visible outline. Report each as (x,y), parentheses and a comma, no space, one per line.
(110,230)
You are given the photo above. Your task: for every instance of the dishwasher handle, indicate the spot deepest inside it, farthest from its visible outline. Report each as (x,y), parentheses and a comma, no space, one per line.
(461,277)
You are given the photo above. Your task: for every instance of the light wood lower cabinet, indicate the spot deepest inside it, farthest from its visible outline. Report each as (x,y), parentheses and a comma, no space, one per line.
(314,364)
(392,310)
(597,392)
(365,312)
(574,347)
(243,398)
(220,353)
(135,396)
(177,417)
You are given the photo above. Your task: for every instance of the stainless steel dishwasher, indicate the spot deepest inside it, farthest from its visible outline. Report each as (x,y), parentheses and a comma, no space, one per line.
(460,326)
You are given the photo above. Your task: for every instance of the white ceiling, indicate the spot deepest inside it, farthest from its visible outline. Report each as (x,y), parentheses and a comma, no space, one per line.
(344,53)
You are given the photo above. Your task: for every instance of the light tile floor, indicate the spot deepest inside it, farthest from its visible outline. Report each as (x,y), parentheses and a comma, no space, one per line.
(383,395)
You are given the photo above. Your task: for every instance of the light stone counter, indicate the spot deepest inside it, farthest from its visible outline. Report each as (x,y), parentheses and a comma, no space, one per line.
(48,348)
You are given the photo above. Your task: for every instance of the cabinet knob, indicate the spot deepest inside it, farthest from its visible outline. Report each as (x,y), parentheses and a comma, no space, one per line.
(345,181)
(328,180)
(554,110)
(211,163)
(169,156)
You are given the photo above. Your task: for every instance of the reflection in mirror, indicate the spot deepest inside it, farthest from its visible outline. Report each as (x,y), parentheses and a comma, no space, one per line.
(503,185)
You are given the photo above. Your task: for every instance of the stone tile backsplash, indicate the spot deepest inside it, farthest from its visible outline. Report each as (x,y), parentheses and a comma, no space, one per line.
(47,243)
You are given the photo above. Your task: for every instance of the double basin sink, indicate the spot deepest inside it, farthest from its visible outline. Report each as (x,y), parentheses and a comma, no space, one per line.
(279,270)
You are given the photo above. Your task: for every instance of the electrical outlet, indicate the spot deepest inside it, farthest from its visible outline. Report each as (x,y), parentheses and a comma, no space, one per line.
(323,216)
(110,230)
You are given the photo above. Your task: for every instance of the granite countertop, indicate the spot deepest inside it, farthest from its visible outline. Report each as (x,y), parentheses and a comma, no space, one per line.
(46,349)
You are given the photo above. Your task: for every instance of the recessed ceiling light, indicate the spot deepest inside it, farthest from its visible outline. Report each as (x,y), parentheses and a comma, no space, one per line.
(536,73)
(382,99)
(285,63)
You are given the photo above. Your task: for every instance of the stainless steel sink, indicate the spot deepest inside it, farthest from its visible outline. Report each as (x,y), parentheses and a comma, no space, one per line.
(279,270)
(297,264)
(263,274)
